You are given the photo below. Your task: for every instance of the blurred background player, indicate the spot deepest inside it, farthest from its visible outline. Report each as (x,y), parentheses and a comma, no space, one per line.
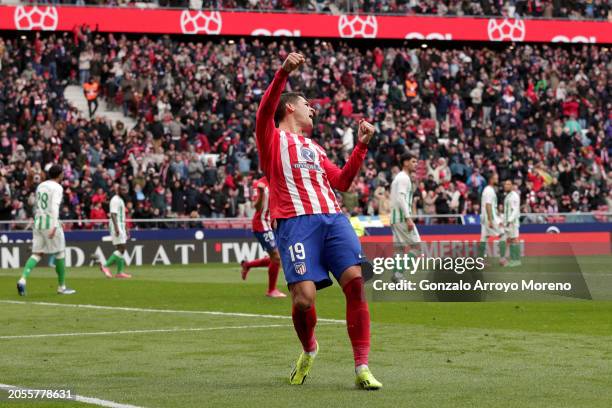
(403,206)
(313,234)
(358,226)
(47,233)
(490,224)
(512,211)
(118,230)
(262,229)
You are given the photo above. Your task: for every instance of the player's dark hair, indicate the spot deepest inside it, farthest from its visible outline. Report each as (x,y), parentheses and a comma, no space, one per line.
(404,157)
(285,98)
(490,176)
(55,171)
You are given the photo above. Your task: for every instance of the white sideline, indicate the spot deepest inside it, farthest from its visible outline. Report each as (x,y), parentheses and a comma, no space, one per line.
(79,398)
(136,309)
(110,333)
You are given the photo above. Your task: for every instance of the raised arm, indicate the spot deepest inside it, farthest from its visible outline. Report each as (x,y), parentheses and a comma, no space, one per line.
(264,124)
(341,179)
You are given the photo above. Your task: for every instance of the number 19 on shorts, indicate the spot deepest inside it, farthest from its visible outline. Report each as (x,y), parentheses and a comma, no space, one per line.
(297,252)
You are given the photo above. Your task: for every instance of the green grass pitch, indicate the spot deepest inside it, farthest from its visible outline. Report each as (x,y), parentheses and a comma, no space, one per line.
(506,354)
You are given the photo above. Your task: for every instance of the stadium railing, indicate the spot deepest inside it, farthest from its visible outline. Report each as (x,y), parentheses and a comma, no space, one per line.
(245,223)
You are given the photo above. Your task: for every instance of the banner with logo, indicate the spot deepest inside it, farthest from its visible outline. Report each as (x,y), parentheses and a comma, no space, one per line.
(85,253)
(200,22)
(14,253)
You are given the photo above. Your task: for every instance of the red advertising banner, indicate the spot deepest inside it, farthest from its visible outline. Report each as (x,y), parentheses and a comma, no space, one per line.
(536,244)
(197,22)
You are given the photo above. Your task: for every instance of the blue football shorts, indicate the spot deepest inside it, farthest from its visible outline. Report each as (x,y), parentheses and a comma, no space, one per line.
(312,246)
(266,239)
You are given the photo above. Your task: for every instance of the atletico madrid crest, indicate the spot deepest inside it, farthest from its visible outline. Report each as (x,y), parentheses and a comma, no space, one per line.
(300,268)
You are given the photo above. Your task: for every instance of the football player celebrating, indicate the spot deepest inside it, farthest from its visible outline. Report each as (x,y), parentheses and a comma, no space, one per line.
(262,229)
(313,234)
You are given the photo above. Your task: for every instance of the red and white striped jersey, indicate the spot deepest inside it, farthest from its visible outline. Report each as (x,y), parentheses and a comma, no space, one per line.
(261,218)
(300,175)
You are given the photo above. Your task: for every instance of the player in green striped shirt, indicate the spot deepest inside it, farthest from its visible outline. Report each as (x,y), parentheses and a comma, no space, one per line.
(511,222)
(490,224)
(47,234)
(118,230)
(403,208)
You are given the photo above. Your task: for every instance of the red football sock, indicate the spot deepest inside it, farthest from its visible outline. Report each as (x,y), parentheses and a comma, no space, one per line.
(358,320)
(272,275)
(256,263)
(304,322)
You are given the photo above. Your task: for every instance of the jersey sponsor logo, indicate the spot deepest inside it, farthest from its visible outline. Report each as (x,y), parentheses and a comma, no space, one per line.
(307,154)
(300,268)
(307,166)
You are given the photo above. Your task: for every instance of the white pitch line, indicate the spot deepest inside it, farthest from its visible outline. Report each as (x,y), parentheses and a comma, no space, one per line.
(79,398)
(110,333)
(136,309)
(103,403)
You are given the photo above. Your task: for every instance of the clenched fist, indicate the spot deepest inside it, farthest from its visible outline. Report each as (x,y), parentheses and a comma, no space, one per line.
(366,131)
(293,61)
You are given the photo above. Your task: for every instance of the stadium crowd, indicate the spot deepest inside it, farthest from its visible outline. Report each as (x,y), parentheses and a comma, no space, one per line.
(523,111)
(572,9)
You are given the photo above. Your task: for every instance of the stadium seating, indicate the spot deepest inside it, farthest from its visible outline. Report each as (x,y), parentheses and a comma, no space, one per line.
(522,111)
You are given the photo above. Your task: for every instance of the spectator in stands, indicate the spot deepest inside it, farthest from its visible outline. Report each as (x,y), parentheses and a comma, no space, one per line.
(5,210)
(91,89)
(85,58)
(474,110)
(97,213)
